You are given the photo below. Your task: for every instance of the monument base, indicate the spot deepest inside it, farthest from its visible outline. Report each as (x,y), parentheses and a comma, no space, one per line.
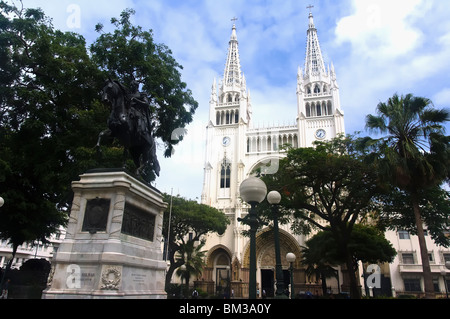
(112,247)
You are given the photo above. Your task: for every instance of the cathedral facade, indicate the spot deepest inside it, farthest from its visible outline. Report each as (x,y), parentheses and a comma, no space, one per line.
(235,148)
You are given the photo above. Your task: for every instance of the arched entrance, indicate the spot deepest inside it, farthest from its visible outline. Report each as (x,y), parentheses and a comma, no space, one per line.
(216,277)
(266,261)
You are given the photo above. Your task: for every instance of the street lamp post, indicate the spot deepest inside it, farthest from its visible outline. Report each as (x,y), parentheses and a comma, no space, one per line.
(274,199)
(253,191)
(291,259)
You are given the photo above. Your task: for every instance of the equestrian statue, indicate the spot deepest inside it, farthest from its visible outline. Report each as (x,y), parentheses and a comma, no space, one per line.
(130,122)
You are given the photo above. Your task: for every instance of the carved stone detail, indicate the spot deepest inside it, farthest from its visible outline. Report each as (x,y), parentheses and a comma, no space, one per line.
(111,277)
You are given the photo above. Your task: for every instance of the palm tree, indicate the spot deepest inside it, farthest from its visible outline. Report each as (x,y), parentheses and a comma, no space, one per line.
(193,258)
(413,155)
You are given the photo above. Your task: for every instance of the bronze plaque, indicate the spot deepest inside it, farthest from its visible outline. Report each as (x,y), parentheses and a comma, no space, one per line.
(138,223)
(96,215)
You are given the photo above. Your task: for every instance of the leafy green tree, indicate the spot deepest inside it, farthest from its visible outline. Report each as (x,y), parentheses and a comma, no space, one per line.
(45,86)
(193,259)
(413,154)
(367,244)
(329,187)
(187,222)
(398,213)
(129,55)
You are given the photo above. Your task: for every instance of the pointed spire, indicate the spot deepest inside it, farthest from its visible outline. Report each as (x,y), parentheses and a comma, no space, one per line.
(300,75)
(232,73)
(314,61)
(333,77)
(249,110)
(243,85)
(214,92)
(300,87)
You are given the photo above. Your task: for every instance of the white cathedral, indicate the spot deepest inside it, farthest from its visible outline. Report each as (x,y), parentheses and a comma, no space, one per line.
(234,148)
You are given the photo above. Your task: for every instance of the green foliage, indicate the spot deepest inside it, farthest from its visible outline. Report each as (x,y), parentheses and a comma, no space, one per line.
(192,256)
(188,216)
(51,111)
(185,217)
(398,213)
(130,54)
(367,244)
(414,152)
(331,181)
(330,187)
(414,156)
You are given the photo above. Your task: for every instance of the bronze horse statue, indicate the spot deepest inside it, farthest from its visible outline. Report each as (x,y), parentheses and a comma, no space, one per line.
(130,123)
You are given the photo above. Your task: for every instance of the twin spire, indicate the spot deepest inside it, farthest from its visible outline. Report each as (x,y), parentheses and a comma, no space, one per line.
(314,63)
(232,73)
(234,80)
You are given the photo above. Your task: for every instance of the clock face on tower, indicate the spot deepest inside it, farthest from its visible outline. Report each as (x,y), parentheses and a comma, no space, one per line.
(226,141)
(320,134)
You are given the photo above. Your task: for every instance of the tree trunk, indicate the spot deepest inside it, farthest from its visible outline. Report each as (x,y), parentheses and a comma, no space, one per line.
(426,269)
(354,290)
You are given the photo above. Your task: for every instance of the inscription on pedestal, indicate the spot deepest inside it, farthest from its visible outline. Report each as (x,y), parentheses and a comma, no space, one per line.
(138,223)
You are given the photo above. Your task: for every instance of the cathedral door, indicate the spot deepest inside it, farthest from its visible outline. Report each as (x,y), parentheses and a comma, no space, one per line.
(267,282)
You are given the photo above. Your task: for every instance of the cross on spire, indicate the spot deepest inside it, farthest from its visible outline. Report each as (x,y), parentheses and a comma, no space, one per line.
(234,20)
(310,7)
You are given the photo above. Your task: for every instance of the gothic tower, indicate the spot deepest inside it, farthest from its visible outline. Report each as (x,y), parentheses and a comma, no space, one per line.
(230,116)
(319,109)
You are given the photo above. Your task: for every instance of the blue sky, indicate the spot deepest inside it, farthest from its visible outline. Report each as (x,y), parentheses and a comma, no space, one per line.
(378,48)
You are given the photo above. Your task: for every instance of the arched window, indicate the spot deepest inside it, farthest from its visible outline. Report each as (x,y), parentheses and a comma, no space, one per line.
(313,109)
(218,118)
(236,117)
(229,98)
(225,174)
(308,110)
(330,108)
(319,110)
(316,89)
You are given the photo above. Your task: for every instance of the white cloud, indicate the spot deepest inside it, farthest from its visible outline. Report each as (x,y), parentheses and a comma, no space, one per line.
(389,47)
(381,28)
(442,98)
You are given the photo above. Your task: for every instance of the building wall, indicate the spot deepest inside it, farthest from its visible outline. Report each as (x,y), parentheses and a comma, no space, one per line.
(34,250)
(406,269)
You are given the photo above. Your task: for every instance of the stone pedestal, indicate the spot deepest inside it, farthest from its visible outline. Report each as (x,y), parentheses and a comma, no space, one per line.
(113,244)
